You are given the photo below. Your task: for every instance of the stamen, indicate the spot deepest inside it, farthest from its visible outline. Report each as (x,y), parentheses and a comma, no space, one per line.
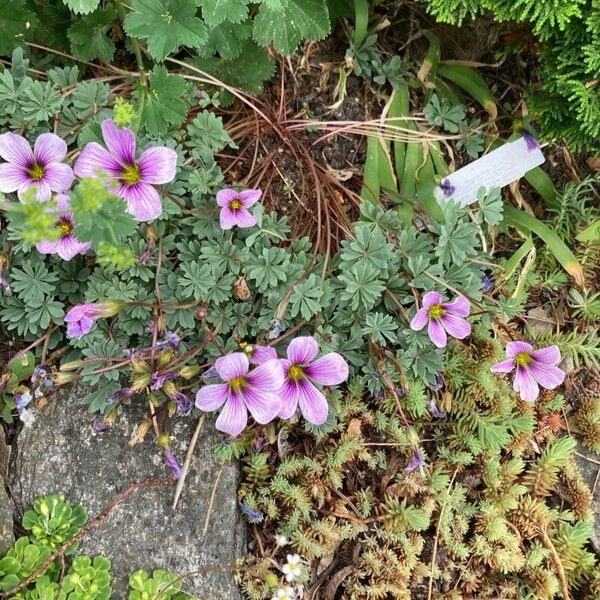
(237,383)
(65,227)
(295,373)
(435,311)
(130,175)
(36,172)
(235,205)
(523,359)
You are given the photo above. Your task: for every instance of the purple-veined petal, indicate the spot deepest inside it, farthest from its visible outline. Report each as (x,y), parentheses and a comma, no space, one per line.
(330,369)
(302,350)
(547,356)
(77,329)
(263,406)
(431,298)
(232,365)
(313,404)
(234,416)
(249,197)
(436,333)
(504,366)
(42,191)
(457,327)
(514,348)
(12,177)
(62,202)
(227,218)
(120,142)
(419,320)
(211,397)
(267,377)
(94,160)
(289,399)
(15,148)
(243,218)
(261,354)
(143,201)
(548,376)
(157,165)
(69,247)
(526,385)
(226,196)
(47,247)
(49,148)
(460,307)
(58,176)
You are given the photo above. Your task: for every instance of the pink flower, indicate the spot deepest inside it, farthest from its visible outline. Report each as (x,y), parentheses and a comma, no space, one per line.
(81,318)
(255,391)
(534,368)
(442,318)
(134,178)
(300,371)
(40,169)
(257,355)
(67,246)
(234,207)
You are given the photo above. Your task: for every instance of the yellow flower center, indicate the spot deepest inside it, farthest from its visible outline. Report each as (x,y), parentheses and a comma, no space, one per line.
(295,373)
(36,172)
(237,383)
(130,175)
(523,359)
(65,228)
(235,205)
(435,311)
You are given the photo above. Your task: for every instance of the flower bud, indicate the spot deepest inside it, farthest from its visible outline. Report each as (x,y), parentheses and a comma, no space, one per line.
(73,365)
(201,313)
(189,371)
(62,378)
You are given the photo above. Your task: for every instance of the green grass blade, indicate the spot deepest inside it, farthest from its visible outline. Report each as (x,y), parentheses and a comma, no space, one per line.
(528,224)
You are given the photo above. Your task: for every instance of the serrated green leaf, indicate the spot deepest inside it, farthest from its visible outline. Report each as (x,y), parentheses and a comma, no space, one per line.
(290,24)
(248,71)
(83,7)
(163,106)
(88,37)
(166,25)
(214,12)
(227,39)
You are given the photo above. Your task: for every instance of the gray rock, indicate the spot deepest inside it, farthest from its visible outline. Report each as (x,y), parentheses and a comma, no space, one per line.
(589,473)
(6,504)
(61,454)
(6,520)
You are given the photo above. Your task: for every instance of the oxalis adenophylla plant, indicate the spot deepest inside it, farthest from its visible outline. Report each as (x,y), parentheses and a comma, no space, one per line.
(131,259)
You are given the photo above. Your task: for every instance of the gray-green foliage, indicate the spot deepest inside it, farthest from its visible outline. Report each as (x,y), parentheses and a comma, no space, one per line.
(363,295)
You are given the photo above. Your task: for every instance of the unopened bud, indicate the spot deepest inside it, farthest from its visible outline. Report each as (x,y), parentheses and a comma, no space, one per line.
(201,314)
(189,371)
(62,378)
(73,365)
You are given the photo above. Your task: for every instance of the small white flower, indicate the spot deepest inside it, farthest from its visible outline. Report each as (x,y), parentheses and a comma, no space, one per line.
(281,540)
(27,417)
(285,593)
(292,569)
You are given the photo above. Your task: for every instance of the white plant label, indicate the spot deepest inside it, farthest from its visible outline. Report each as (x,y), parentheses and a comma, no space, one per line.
(494,170)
